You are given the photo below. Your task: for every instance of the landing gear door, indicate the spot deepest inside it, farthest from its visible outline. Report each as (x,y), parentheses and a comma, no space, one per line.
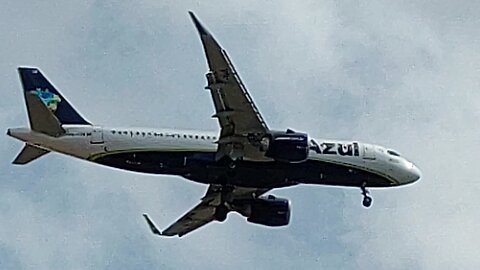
(97,135)
(368,152)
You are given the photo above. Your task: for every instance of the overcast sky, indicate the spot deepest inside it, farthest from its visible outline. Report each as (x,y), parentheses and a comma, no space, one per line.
(405,75)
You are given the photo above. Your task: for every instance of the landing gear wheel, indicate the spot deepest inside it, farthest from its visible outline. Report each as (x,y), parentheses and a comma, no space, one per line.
(367,201)
(221,213)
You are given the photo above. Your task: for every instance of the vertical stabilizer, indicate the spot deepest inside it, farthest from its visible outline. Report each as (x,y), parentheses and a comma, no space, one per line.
(47,110)
(35,83)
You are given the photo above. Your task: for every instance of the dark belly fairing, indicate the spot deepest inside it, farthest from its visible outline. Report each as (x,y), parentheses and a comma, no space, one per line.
(202,167)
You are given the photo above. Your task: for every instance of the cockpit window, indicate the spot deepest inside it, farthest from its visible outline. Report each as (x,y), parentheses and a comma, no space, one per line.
(393,153)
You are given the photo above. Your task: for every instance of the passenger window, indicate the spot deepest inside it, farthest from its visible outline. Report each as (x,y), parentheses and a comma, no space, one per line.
(113,132)
(203,137)
(196,137)
(190,136)
(125,132)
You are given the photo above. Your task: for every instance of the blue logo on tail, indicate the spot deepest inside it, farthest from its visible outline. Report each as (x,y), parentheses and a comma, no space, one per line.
(49,99)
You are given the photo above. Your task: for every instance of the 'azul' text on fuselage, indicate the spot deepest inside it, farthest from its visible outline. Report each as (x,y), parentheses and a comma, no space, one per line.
(330,148)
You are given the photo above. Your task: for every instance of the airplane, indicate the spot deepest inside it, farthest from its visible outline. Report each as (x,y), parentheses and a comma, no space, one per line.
(240,163)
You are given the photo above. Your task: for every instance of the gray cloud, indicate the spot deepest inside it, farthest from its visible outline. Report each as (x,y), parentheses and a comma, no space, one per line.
(403,75)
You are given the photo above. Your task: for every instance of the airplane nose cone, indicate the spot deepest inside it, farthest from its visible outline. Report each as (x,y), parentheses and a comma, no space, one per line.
(414,173)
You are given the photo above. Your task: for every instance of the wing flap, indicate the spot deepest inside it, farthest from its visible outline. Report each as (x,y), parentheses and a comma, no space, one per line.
(233,104)
(204,212)
(194,219)
(235,110)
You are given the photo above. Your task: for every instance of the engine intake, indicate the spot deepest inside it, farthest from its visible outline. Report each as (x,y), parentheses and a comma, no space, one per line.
(289,146)
(270,211)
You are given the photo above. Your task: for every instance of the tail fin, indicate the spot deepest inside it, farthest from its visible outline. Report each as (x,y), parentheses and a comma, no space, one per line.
(41,118)
(29,153)
(35,84)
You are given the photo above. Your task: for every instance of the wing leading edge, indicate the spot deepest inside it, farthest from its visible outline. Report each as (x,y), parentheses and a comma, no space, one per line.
(242,128)
(242,125)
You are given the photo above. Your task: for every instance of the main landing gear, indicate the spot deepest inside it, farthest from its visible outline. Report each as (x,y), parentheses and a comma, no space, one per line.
(221,213)
(367,200)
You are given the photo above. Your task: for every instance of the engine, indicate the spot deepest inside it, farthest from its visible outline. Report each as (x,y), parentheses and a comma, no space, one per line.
(289,146)
(270,211)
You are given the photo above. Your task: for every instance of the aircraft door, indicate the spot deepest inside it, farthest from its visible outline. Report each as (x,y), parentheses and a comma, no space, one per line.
(97,135)
(368,152)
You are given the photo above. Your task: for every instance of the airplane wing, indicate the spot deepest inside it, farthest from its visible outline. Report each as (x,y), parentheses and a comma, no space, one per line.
(204,212)
(242,126)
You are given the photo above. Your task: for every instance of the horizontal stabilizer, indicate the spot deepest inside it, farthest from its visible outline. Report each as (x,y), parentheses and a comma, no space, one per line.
(28,154)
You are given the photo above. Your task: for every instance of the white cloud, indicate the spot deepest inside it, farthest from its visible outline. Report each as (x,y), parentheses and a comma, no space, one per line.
(404,75)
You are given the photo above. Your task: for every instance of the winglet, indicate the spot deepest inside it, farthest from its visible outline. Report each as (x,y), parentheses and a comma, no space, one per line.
(198,25)
(213,51)
(152,226)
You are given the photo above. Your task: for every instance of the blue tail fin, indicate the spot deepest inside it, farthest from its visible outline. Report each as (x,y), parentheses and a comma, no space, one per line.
(35,83)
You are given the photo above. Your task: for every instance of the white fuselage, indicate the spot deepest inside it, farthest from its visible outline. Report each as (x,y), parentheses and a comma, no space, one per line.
(91,142)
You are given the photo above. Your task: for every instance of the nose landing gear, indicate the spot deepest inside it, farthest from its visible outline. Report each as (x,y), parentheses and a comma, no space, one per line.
(367,200)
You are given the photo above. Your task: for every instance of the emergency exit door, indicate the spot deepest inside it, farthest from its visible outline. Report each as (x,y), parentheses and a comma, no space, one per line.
(97,135)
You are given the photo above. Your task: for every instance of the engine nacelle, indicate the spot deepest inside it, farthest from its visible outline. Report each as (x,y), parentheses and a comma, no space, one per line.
(289,146)
(270,211)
